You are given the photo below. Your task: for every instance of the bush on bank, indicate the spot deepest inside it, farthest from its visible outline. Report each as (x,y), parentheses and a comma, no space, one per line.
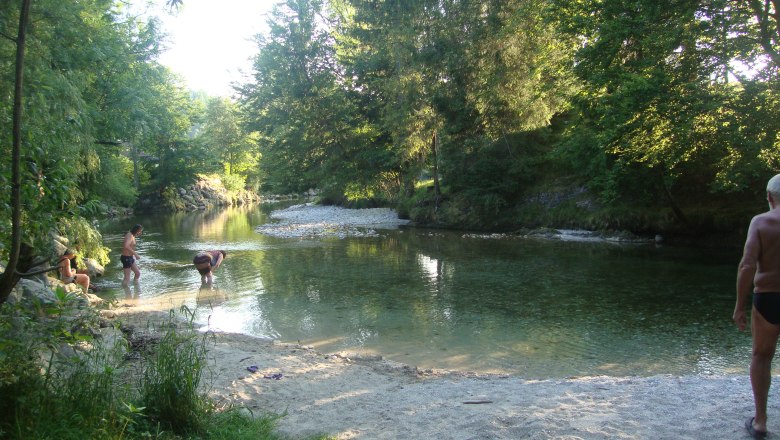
(60,379)
(708,221)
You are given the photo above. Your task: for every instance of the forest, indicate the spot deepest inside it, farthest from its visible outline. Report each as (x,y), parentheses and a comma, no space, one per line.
(643,115)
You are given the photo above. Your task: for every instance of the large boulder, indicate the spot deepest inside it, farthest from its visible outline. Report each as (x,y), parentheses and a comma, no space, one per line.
(32,291)
(94,269)
(59,244)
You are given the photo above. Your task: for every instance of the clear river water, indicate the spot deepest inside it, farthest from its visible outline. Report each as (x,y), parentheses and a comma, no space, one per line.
(532,307)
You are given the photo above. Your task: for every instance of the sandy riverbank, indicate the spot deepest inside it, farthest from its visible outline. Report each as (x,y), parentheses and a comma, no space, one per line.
(372,398)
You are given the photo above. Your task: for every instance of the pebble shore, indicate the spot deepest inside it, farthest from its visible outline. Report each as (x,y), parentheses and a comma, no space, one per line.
(309,220)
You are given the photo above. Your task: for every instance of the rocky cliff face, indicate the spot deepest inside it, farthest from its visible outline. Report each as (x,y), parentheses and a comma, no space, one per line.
(209,193)
(203,194)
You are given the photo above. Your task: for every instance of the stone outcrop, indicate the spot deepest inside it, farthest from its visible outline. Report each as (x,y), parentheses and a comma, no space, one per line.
(60,243)
(208,194)
(200,195)
(41,290)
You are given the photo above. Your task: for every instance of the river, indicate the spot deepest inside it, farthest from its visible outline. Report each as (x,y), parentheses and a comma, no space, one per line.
(532,307)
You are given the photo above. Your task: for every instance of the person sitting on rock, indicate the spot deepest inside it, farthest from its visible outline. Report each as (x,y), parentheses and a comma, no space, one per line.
(208,261)
(68,271)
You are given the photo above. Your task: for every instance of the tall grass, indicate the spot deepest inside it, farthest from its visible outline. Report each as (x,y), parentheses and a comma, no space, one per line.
(48,390)
(170,386)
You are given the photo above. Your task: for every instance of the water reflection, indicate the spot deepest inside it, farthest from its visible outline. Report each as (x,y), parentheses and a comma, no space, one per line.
(530,307)
(210,296)
(134,293)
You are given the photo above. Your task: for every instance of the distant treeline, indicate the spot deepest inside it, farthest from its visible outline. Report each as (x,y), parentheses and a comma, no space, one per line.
(645,115)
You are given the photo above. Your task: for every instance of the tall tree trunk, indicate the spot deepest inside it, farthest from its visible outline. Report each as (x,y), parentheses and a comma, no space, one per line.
(672,204)
(134,153)
(436,187)
(766,13)
(9,277)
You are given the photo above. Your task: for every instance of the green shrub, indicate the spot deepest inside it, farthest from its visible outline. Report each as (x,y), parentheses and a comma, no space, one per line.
(171,199)
(169,388)
(50,392)
(115,185)
(233,182)
(87,239)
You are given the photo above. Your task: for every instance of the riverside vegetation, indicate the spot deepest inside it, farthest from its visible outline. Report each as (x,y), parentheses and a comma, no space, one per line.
(491,115)
(62,379)
(472,115)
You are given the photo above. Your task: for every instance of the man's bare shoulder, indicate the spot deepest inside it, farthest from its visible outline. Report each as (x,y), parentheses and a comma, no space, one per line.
(769,219)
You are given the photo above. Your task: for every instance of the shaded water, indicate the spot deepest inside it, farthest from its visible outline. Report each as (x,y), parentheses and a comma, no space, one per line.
(436,299)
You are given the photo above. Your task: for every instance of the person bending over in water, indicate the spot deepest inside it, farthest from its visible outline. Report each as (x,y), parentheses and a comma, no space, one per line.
(129,256)
(68,272)
(206,262)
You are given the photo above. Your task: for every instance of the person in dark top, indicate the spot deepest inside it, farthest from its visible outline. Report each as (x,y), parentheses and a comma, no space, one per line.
(67,268)
(208,261)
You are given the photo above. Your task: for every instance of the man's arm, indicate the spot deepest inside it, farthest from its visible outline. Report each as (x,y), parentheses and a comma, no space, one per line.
(745,275)
(219,261)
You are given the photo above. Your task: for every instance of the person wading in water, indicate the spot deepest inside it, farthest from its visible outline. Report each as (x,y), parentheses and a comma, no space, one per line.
(129,256)
(206,262)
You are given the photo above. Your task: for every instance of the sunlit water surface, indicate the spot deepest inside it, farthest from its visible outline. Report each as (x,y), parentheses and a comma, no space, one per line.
(438,299)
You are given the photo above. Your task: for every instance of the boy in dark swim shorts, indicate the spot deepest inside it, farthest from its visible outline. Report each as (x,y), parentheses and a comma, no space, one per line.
(129,256)
(127,261)
(759,272)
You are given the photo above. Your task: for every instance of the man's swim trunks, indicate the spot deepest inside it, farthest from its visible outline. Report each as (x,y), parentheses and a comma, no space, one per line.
(768,305)
(127,261)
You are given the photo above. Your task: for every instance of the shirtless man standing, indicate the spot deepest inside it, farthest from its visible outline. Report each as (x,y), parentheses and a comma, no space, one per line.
(759,271)
(129,256)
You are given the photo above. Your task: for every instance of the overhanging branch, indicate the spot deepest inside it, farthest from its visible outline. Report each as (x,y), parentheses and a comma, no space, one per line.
(35,272)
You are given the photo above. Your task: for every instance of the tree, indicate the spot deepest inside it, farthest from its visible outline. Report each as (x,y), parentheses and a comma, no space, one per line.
(70,100)
(768,23)
(470,74)
(309,130)
(659,117)
(223,134)
(10,276)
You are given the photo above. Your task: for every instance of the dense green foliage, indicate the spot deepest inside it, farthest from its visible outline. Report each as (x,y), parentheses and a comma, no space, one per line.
(235,150)
(660,107)
(102,121)
(90,83)
(645,115)
(665,115)
(86,393)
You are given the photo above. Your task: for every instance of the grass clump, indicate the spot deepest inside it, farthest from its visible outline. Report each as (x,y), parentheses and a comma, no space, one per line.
(60,381)
(170,385)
